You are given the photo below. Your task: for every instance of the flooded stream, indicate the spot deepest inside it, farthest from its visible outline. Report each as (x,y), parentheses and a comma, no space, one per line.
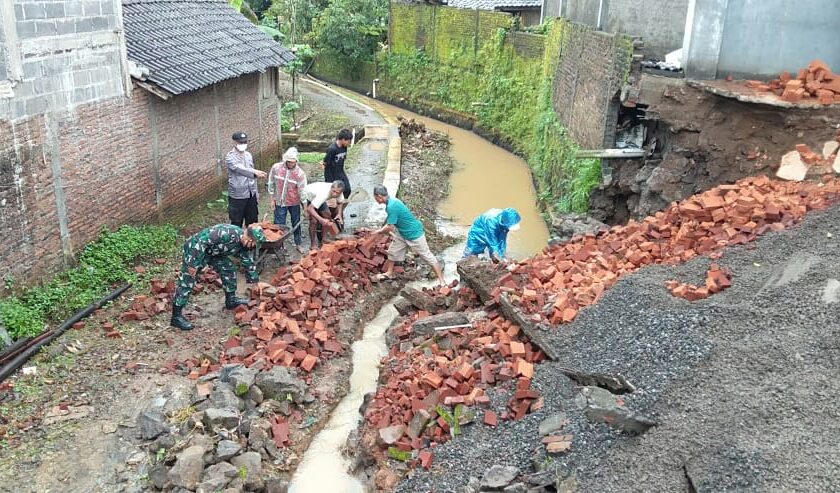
(488,177)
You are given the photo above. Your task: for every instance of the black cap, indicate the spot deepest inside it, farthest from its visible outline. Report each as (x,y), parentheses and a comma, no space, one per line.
(240,137)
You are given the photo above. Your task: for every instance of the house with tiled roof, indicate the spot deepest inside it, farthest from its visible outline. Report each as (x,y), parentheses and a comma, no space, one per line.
(529,11)
(121,111)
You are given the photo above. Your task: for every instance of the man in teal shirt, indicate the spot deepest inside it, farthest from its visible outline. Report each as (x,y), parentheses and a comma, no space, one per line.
(406,233)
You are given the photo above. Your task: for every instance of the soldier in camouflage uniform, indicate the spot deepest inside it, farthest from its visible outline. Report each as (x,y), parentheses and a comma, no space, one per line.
(213,246)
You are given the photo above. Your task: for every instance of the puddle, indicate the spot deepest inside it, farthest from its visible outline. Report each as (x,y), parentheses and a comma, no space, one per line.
(324,467)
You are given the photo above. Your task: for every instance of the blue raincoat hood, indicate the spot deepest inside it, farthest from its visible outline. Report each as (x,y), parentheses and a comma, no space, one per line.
(489,232)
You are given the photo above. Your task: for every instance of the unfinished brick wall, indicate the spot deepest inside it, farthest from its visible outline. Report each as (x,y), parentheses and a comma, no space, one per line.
(592,69)
(28,217)
(121,161)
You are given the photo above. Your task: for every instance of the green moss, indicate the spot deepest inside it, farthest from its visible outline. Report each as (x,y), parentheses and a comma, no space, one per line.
(438,59)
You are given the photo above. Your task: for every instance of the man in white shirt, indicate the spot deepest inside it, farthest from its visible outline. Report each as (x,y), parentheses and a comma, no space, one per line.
(319,198)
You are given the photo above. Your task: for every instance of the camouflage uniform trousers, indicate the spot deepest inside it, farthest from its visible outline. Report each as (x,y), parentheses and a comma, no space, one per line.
(194,260)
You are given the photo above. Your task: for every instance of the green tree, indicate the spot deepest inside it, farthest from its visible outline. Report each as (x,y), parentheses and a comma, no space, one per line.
(245,9)
(352,29)
(294,18)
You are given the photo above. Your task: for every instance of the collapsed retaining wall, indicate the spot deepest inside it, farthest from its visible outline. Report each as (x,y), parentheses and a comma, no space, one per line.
(697,140)
(64,176)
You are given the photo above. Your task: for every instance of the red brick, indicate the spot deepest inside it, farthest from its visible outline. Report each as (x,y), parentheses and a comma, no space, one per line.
(426,458)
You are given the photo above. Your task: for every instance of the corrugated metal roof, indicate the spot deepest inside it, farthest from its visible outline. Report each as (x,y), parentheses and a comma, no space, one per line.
(190,44)
(494,4)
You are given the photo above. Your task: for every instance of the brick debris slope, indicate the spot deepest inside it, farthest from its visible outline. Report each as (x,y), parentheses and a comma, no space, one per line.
(436,380)
(556,284)
(292,321)
(429,375)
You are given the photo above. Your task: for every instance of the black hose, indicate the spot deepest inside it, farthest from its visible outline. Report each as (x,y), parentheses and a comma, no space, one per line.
(23,357)
(14,348)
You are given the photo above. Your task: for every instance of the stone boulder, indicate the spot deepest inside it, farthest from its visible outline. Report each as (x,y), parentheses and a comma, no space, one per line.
(566,226)
(152,424)
(278,382)
(188,468)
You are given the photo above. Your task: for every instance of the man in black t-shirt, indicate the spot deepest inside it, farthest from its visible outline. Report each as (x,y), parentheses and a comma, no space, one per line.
(333,162)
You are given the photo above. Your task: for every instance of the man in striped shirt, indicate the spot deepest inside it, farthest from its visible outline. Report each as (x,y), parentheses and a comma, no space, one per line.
(285,184)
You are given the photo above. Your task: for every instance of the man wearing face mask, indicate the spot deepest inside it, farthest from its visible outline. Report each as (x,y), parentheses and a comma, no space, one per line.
(242,183)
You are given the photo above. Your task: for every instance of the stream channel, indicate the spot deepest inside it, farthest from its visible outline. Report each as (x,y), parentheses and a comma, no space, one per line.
(488,177)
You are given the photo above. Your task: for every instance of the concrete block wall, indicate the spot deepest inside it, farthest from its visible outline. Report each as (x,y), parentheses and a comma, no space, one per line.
(66,53)
(592,70)
(660,23)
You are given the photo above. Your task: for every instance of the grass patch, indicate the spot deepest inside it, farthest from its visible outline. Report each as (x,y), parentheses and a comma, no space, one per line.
(310,157)
(103,263)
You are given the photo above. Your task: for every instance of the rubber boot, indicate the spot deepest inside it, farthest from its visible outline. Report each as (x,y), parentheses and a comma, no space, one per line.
(178,320)
(232,301)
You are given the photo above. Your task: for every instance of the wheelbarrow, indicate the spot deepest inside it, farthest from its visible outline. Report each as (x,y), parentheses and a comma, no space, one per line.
(276,236)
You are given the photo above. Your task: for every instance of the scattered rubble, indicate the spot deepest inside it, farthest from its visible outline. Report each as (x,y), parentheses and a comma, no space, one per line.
(292,321)
(436,381)
(803,162)
(566,226)
(817,81)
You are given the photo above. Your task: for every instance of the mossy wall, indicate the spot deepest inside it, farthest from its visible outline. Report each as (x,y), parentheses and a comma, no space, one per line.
(516,85)
(331,68)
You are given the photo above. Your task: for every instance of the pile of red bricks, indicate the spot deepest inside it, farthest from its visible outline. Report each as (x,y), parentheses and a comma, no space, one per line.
(292,321)
(717,280)
(144,307)
(273,232)
(815,82)
(556,284)
(458,371)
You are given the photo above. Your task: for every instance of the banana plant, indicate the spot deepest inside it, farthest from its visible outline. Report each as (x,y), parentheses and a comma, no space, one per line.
(243,8)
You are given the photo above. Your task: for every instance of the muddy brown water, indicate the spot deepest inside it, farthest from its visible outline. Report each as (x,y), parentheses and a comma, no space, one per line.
(488,177)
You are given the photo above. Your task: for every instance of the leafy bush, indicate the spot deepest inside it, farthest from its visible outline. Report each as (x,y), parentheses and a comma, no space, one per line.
(102,263)
(287,115)
(352,29)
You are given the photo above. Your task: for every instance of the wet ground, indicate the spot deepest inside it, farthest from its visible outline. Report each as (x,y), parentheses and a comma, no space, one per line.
(92,387)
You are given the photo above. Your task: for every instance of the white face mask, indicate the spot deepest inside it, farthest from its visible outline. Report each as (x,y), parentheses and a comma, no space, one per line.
(241,147)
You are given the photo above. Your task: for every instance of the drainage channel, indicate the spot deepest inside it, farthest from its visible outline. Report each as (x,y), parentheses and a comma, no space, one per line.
(489,177)
(324,467)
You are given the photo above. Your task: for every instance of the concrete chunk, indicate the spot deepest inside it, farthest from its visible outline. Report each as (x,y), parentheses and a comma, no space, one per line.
(426,326)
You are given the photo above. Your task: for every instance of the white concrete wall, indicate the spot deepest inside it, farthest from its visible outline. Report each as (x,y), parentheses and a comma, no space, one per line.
(58,54)
(760,38)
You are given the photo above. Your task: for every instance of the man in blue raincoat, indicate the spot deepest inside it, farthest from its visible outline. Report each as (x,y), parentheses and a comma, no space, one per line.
(489,233)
